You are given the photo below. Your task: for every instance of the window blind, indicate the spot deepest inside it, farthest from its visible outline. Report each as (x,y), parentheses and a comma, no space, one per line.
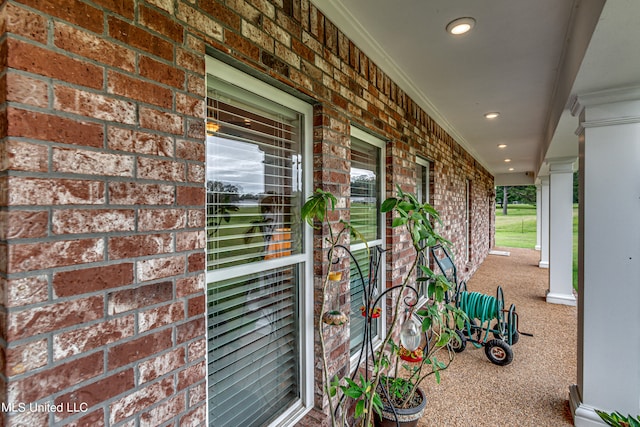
(253,181)
(365,189)
(252,347)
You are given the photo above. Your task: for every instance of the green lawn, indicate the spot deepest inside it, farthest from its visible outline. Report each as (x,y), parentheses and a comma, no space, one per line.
(518,230)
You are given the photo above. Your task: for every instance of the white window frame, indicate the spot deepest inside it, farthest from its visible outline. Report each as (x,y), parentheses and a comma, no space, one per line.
(425,166)
(467,221)
(304,260)
(382,325)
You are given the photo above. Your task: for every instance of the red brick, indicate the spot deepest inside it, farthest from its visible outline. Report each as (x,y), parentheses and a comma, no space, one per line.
(194,418)
(74,11)
(161,170)
(151,369)
(25,156)
(56,379)
(83,340)
(158,268)
(43,255)
(94,47)
(92,419)
(142,296)
(134,193)
(189,105)
(196,173)
(46,127)
(196,306)
(139,38)
(161,23)
(139,142)
(40,191)
(121,7)
(99,391)
(197,349)
(161,219)
(26,357)
(137,246)
(190,196)
(85,162)
(193,329)
(141,348)
(161,121)
(190,61)
(23,224)
(163,412)
(166,5)
(242,45)
(37,60)
(199,21)
(189,285)
(94,105)
(24,291)
(158,317)
(190,150)
(86,280)
(191,375)
(196,262)
(25,23)
(139,90)
(40,320)
(27,90)
(196,218)
(136,402)
(161,72)
(190,240)
(71,221)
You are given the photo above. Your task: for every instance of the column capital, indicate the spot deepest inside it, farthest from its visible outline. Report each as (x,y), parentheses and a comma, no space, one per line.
(607,107)
(561,164)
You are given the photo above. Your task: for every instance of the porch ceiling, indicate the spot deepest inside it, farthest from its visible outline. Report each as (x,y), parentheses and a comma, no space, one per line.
(525,59)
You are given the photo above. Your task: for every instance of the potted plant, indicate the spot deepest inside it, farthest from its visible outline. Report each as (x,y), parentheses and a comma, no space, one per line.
(418,342)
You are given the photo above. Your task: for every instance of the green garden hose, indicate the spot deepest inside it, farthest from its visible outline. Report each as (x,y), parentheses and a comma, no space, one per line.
(479,306)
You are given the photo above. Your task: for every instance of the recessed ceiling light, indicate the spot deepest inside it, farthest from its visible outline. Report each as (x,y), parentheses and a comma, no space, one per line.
(502,145)
(507,160)
(492,115)
(511,169)
(460,26)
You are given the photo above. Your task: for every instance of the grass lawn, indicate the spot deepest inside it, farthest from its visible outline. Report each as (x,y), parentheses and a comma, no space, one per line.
(518,230)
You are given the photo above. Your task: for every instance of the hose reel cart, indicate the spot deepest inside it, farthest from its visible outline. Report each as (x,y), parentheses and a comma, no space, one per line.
(490,325)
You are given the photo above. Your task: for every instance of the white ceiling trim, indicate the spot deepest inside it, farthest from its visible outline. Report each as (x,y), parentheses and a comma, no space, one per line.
(351,27)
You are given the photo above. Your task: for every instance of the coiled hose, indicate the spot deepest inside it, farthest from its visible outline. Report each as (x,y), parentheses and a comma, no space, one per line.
(479,306)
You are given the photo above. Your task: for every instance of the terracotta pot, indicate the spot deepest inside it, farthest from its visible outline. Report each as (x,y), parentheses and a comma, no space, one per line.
(406,417)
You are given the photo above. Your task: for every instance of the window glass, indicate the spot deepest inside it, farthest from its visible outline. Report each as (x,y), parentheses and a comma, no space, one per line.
(257,265)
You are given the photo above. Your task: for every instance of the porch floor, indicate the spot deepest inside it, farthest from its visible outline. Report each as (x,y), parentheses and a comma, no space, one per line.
(534,389)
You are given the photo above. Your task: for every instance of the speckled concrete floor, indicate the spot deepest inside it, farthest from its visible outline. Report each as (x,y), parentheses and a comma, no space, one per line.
(534,389)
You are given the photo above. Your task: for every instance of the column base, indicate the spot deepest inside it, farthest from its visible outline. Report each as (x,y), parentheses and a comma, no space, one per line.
(566,299)
(543,264)
(583,415)
(538,247)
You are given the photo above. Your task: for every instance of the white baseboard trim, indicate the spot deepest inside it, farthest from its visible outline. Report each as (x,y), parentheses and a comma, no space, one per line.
(583,415)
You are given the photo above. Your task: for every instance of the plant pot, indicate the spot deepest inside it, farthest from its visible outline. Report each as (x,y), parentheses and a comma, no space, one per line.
(406,417)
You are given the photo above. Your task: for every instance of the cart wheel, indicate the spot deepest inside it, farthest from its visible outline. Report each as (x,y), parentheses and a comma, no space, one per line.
(459,347)
(514,338)
(498,352)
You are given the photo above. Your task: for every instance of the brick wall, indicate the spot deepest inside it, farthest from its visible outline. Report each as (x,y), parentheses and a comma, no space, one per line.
(102,179)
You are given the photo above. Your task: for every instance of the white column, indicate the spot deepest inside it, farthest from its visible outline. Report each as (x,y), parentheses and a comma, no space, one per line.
(544,222)
(561,232)
(609,257)
(538,209)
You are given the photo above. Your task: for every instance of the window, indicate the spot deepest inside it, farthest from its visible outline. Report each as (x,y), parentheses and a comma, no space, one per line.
(423,192)
(467,222)
(367,154)
(258,257)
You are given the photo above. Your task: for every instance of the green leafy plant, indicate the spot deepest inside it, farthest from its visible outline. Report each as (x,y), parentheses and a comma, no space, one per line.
(390,376)
(616,419)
